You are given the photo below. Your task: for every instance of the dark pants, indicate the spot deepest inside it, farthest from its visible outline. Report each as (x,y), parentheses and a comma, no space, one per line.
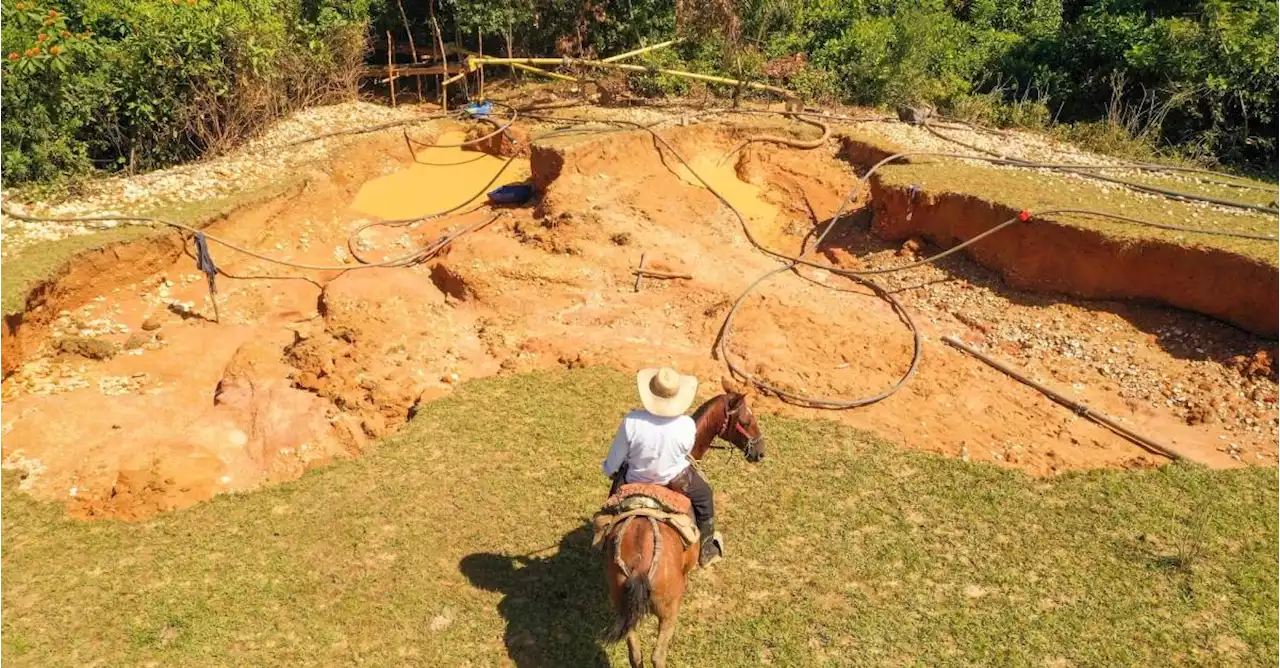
(691,484)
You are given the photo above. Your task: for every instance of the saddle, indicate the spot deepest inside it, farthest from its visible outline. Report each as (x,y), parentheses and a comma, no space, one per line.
(645,500)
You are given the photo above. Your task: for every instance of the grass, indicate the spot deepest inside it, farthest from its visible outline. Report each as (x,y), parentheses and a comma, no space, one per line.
(461,542)
(35,264)
(1024,189)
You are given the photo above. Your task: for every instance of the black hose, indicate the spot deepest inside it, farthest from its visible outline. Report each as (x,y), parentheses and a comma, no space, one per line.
(1155,190)
(791,263)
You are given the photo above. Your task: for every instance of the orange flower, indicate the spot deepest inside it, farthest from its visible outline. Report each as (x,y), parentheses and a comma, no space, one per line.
(55,50)
(53,13)
(14,56)
(32,51)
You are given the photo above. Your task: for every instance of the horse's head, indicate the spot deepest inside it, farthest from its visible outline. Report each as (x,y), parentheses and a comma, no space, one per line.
(741,427)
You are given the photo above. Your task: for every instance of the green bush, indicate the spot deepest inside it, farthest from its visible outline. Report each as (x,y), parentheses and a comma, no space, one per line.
(51,88)
(647,84)
(144,83)
(996,109)
(141,84)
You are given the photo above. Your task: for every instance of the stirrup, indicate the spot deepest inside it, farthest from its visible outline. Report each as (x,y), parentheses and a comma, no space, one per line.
(716,541)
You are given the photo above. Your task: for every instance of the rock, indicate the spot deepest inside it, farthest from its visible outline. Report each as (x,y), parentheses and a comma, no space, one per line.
(841,258)
(509,143)
(914,115)
(621,239)
(578,361)
(136,340)
(374,425)
(150,324)
(911,248)
(94,349)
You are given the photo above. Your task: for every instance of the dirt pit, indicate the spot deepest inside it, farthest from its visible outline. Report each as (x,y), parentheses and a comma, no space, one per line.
(307,366)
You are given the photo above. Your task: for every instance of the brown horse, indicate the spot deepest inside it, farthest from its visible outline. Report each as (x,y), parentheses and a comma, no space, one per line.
(646,562)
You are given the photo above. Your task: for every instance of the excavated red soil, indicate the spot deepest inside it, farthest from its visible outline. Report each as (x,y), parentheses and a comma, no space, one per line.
(1053,257)
(307,366)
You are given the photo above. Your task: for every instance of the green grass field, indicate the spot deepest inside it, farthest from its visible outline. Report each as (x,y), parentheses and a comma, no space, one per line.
(461,542)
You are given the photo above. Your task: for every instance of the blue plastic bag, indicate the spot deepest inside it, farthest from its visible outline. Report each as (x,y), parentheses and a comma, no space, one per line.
(511,194)
(479,110)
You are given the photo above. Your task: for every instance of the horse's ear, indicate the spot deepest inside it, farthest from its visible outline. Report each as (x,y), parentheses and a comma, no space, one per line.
(731,387)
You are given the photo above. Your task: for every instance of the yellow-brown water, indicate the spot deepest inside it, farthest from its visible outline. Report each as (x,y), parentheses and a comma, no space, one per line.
(746,197)
(439,179)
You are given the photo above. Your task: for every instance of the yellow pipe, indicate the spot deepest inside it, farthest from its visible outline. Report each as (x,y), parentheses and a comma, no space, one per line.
(624,56)
(475,62)
(544,73)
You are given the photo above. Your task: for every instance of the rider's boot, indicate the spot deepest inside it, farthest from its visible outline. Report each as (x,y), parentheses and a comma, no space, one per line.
(712,543)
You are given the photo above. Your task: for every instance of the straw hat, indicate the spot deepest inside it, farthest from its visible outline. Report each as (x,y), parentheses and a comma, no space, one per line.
(664,392)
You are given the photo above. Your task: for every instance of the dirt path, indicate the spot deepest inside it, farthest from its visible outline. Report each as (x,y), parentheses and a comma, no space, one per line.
(305,367)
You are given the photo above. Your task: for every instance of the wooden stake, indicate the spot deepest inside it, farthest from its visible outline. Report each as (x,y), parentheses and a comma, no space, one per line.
(391,68)
(660,274)
(639,272)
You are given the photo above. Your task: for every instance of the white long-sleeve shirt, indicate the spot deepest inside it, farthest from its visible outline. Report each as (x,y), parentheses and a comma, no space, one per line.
(656,448)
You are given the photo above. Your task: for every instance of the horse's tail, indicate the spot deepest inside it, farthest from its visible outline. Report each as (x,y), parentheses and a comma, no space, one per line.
(636,601)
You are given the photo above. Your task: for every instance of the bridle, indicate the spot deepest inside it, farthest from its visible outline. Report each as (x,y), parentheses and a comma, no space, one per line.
(752,442)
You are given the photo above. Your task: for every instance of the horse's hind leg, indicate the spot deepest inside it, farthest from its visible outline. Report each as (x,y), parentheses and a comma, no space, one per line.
(666,630)
(633,650)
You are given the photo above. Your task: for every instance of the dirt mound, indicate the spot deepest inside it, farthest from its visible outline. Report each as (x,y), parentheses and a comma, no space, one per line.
(508,143)
(385,338)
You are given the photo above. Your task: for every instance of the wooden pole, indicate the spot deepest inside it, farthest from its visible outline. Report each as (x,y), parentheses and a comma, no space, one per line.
(480,50)
(413,50)
(466,83)
(506,36)
(1077,407)
(435,25)
(391,68)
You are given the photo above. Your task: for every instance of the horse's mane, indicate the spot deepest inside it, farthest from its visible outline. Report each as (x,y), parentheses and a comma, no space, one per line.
(706,406)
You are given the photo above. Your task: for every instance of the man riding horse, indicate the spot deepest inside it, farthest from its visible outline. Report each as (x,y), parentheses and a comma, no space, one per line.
(653,445)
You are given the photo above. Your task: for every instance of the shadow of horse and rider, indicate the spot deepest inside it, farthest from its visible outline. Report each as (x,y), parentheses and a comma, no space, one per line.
(556,607)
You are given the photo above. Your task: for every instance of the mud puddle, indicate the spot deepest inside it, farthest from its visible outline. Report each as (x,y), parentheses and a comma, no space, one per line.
(440,178)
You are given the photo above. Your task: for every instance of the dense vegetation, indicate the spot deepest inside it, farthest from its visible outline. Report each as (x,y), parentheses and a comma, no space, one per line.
(143,83)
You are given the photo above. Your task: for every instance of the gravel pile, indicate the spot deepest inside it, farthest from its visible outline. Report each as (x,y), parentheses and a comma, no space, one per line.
(1201,371)
(257,165)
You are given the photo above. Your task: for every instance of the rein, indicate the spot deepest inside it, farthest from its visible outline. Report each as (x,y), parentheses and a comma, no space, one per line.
(737,425)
